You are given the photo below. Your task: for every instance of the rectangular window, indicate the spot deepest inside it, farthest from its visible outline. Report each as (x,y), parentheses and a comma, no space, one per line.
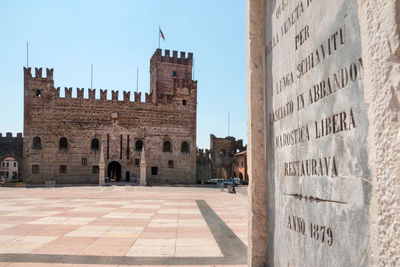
(95,169)
(127,147)
(4,164)
(35,169)
(120,148)
(137,162)
(8,164)
(84,161)
(154,170)
(170,163)
(63,169)
(15,164)
(108,146)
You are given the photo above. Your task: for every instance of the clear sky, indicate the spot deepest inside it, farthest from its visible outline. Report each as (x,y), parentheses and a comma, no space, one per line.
(118,37)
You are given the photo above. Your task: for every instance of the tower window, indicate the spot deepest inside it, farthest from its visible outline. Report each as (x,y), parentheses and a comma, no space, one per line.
(174,74)
(84,161)
(170,163)
(95,144)
(95,170)
(184,102)
(185,147)
(63,169)
(154,170)
(139,145)
(37,143)
(63,143)
(167,146)
(35,169)
(38,93)
(222,152)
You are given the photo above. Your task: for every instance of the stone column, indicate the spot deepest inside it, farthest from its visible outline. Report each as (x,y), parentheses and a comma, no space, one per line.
(379,25)
(143,168)
(257,249)
(101,167)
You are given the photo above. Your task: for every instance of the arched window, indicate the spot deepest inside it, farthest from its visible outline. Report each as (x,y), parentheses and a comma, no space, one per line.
(63,143)
(139,145)
(95,143)
(167,147)
(37,143)
(222,152)
(184,147)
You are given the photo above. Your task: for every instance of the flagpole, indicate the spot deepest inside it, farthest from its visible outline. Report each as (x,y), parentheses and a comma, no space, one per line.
(91,77)
(159,29)
(228,124)
(27,54)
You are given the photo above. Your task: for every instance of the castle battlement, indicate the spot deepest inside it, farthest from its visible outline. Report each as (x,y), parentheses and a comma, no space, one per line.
(9,138)
(91,94)
(38,74)
(182,59)
(55,92)
(203,153)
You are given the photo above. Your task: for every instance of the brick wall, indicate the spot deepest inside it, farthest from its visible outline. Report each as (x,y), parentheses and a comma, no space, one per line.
(164,117)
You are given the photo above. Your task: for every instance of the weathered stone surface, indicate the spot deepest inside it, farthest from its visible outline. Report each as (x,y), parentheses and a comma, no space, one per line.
(256,149)
(316,133)
(204,167)
(331,172)
(380,24)
(169,114)
(222,154)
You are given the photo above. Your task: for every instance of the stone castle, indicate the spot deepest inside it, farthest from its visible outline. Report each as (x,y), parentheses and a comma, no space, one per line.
(63,136)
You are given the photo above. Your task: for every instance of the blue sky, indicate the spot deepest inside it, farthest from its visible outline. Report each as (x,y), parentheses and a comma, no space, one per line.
(118,37)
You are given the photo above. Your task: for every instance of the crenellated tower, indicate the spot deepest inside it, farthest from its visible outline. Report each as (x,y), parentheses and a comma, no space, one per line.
(167,72)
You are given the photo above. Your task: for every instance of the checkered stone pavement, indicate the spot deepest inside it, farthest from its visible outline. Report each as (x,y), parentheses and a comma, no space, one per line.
(121,226)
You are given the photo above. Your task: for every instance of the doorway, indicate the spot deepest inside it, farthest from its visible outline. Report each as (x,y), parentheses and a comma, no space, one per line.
(114,171)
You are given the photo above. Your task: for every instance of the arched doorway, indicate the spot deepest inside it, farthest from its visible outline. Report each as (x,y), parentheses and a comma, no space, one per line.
(127,176)
(114,171)
(241,176)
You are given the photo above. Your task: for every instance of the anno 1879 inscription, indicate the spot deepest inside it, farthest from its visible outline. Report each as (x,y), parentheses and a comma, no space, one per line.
(317,129)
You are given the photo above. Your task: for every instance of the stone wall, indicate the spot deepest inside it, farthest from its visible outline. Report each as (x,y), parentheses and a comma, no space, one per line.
(222,151)
(323,86)
(114,123)
(11,146)
(204,166)
(380,39)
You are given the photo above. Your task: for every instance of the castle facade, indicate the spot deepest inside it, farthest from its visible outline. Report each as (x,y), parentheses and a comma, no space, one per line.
(63,136)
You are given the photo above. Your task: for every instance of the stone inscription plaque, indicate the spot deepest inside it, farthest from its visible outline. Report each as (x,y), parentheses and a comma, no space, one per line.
(316,134)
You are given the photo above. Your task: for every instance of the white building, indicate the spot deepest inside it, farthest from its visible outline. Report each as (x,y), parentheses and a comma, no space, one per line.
(9,168)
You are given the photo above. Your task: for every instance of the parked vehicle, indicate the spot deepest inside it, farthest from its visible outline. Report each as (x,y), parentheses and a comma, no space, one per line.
(229,181)
(215,181)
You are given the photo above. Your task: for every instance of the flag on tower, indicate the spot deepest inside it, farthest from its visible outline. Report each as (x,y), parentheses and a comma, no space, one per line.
(161,34)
